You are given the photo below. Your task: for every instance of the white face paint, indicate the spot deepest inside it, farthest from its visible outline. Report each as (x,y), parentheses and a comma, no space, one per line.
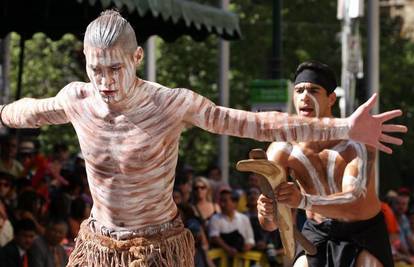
(304,107)
(111,71)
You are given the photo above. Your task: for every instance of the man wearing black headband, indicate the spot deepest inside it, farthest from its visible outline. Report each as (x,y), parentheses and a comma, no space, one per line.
(336,185)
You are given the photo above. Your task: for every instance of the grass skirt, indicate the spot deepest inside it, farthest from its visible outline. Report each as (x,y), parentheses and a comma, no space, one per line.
(171,248)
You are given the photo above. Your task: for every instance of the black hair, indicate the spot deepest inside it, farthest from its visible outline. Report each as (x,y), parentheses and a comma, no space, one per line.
(232,193)
(326,76)
(24,225)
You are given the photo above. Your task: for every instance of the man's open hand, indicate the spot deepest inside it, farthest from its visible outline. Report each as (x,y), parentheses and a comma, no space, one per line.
(371,130)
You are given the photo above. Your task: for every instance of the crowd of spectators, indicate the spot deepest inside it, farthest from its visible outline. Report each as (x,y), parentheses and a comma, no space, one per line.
(223,216)
(398,208)
(44,199)
(227,217)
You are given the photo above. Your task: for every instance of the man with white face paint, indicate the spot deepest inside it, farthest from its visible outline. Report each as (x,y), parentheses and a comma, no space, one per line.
(335,185)
(129,130)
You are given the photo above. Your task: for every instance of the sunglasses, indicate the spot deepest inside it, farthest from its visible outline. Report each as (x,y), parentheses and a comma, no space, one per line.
(202,187)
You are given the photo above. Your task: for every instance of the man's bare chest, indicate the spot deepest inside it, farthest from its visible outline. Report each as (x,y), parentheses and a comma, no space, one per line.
(317,170)
(121,145)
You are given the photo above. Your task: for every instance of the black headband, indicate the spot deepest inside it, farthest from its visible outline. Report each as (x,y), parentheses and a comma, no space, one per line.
(317,77)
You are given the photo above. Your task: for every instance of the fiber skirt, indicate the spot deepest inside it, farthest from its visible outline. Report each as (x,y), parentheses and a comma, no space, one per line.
(173,247)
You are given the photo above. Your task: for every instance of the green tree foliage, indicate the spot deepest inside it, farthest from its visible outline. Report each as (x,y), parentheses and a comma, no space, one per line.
(48,67)
(397,91)
(310,31)
(303,38)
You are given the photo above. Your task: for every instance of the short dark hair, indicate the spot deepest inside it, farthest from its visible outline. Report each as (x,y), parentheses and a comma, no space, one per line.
(232,193)
(322,70)
(24,225)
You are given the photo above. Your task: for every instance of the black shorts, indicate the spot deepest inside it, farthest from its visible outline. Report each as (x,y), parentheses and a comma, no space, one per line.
(339,243)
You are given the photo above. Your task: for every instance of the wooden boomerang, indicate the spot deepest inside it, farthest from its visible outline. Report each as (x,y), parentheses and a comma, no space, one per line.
(271,176)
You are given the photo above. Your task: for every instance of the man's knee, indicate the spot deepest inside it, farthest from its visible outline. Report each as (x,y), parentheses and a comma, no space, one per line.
(366,259)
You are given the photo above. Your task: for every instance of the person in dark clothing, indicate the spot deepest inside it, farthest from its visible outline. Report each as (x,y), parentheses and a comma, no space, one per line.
(47,250)
(17,253)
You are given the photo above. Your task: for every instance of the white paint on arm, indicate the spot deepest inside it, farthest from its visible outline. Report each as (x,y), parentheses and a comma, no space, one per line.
(33,113)
(338,198)
(354,181)
(261,126)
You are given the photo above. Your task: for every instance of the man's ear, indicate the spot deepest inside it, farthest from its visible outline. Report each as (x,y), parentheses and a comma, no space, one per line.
(332,99)
(138,56)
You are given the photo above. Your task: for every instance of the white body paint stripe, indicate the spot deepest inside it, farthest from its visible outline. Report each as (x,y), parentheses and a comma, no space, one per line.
(298,153)
(332,155)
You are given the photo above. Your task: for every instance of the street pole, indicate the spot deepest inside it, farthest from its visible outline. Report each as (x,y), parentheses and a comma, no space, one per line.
(350,12)
(224,55)
(373,63)
(150,59)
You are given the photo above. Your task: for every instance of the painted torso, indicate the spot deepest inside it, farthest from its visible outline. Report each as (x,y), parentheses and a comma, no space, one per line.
(323,170)
(130,158)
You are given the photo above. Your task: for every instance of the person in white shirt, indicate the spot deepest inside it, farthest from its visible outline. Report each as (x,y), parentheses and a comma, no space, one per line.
(230,229)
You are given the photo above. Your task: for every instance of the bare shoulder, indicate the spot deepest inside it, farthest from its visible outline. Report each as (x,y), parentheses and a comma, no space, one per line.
(163,94)
(77,90)
(279,152)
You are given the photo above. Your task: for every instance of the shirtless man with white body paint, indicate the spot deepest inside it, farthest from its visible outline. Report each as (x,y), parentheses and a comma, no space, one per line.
(129,130)
(337,185)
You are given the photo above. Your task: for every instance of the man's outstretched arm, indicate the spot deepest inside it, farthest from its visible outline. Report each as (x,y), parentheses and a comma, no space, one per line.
(33,113)
(277,126)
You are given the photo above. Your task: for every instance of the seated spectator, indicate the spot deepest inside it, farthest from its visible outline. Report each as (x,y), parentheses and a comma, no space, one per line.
(200,239)
(6,228)
(34,164)
(177,196)
(184,184)
(30,206)
(259,233)
(230,229)
(47,249)
(17,253)
(203,205)
(78,185)
(79,211)
(8,194)
(400,209)
(266,242)
(60,205)
(57,162)
(8,153)
(216,181)
(399,253)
